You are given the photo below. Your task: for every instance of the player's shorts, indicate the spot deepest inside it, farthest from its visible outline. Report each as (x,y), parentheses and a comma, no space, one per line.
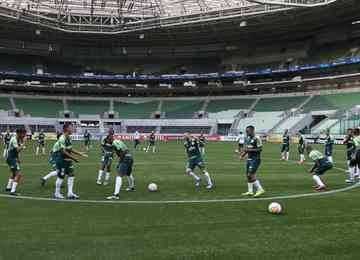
(87,142)
(106,160)
(41,143)
(64,167)
(285,148)
(196,162)
(137,141)
(241,146)
(52,161)
(328,151)
(324,166)
(13,164)
(252,165)
(301,149)
(125,165)
(151,143)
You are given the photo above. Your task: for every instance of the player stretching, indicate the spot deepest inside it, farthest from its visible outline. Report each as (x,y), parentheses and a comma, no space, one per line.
(252,149)
(7,138)
(285,148)
(87,140)
(40,143)
(137,138)
(301,148)
(124,167)
(192,147)
(152,139)
(322,164)
(241,142)
(350,151)
(16,145)
(63,152)
(106,158)
(202,142)
(329,144)
(52,162)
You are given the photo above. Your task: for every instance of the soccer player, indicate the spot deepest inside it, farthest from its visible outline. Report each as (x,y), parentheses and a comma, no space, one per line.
(137,138)
(152,139)
(322,164)
(192,147)
(6,140)
(301,148)
(87,140)
(16,145)
(124,168)
(106,158)
(202,142)
(252,149)
(63,152)
(329,144)
(350,151)
(355,161)
(285,148)
(241,142)
(40,142)
(52,162)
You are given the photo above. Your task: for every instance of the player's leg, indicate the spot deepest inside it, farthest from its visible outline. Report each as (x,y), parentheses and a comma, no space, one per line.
(101,171)
(108,172)
(43,149)
(130,177)
(154,148)
(190,172)
(16,180)
(287,153)
(37,149)
(147,148)
(5,152)
(121,169)
(351,171)
(59,182)
(320,171)
(282,152)
(69,171)
(48,176)
(206,174)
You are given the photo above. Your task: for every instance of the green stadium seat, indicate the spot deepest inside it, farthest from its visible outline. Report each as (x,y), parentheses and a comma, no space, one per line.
(5,103)
(140,110)
(278,104)
(88,107)
(39,107)
(181,109)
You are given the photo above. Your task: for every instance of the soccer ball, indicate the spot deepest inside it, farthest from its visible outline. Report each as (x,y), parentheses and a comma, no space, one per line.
(152,187)
(275,208)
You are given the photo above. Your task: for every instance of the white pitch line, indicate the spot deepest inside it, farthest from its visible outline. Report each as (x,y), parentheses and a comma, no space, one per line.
(295,196)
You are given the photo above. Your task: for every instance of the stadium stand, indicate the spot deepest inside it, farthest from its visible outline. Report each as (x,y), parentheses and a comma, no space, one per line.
(40,107)
(333,102)
(137,110)
(289,123)
(182,108)
(85,107)
(278,104)
(264,121)
(5,103)
(324,125)
(227,108)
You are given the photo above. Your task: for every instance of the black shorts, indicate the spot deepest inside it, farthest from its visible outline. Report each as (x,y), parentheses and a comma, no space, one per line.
(285,148)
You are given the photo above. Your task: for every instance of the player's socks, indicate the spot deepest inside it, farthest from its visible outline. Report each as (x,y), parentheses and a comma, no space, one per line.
(5,154)
(197,178)
(318,181)
(257,185)
(330,159)
(9,185)
(250,191)
(302,158)
(37,151)
(107,178)
(208,179)
(100,176)
(287,156)
(70,185)
(49,175)
(58,184)
(131,181)
(13,187)
(118,183)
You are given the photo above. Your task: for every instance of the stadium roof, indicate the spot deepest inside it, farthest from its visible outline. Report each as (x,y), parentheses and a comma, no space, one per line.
(117,16)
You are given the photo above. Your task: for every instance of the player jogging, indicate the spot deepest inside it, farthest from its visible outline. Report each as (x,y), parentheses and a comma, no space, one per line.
(322,164)
(106,158)
(137,138)
(16,145)
(301,148)
(241,142)
(63,153)
(87,140)
(329,145)
(124,168)
(6,140)
(40,143)
(202,143)
(350,152)
(152,140)
(252,149)
(285,147)
(52,162)
(192,147)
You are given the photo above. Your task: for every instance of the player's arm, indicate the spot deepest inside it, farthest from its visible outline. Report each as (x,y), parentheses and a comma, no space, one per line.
(316,165)
(76,152)
(68,155)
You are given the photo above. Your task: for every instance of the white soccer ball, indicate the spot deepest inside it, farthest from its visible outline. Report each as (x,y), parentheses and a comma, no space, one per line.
(275,208)
(153,187)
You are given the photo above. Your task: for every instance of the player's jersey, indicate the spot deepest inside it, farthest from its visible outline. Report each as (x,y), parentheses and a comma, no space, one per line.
(107,146)
(301,143)
(241,139)
(192,147)
(7,138)
(329,143)
(350,145)
(87,136)
(41,138)
(357,141)
(316,155)
(137,136)
(152,138)
(13,145)
(286,140)
(62,143)
(121,149)
(253,142)
(202,141)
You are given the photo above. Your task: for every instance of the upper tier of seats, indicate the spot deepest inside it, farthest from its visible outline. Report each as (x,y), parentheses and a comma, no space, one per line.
(182,108)
(279,104)
(137,110)
(88,107)
(40,107)
(333,102)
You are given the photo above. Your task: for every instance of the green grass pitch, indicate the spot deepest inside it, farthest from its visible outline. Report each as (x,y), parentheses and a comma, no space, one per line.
(320,227)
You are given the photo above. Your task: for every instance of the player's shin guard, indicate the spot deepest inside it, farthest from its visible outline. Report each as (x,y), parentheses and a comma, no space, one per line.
(287,156)
(58,184)
(13,187)
(131,181)
(70,184)
(9,185)
(118,183)
(250,187)
(318,181)
(257,185)
(107,177)
(49,175)
(208,179)
(100,176)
